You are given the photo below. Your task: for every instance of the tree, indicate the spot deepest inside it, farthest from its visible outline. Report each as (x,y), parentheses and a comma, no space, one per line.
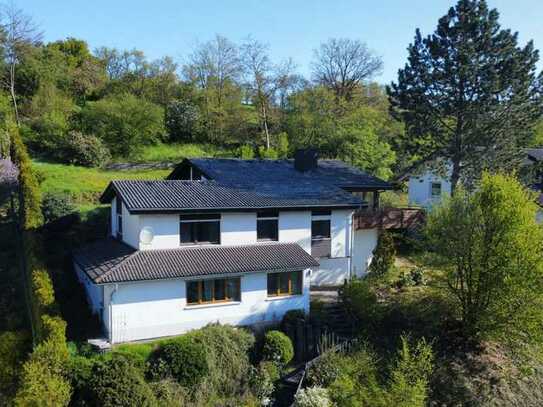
(124,122)
(494,251)
(342,64)
(18,33)
(384,255)
(468,94)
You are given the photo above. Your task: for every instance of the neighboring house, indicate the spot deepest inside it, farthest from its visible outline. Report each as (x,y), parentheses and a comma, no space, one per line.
(426,188)
(225,240)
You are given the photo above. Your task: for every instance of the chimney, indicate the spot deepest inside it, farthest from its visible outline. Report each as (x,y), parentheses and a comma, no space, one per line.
(306,159)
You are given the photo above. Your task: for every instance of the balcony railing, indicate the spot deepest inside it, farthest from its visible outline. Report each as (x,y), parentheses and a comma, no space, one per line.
(389,218)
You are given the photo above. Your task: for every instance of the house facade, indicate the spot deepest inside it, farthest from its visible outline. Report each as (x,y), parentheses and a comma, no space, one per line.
(229,241)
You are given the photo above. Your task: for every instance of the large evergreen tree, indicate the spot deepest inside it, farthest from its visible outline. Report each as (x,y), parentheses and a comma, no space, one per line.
(469,93)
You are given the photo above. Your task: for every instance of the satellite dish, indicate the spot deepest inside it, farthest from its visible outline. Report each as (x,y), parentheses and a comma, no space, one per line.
(146,235)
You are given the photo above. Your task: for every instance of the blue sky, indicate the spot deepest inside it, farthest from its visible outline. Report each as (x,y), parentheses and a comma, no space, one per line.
(292,28)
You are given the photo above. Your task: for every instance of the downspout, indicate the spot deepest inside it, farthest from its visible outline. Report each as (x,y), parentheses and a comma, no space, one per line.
(110,307)
(351,240)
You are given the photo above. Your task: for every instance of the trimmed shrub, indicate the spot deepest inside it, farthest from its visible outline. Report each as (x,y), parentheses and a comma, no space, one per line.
(85,150)
(360,300)
(42,286)
(117,383)
(267,153)
(183,359)
(277,348)
(312,397)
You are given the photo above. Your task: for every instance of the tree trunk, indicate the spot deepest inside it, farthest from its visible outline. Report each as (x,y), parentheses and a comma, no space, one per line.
(455,176)
(12,92)
(265,123)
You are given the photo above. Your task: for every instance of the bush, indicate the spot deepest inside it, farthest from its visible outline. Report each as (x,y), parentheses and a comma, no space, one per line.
(383,255)
(262,381)
(291,318)
(55,206)
(267,153)
(169,393)
(360,300)
(278,348)
(246,152)
(228,351)
(325,370)
(312,397)
(13,347)
(116,382)
(42,287)
(182,118)
(80,374)
(183,359)
(85,150)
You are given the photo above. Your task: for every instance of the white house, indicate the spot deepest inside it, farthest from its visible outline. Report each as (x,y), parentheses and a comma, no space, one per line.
(230,241)
(428,188)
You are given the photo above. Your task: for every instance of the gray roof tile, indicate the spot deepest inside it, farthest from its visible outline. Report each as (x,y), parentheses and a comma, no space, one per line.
(110,261)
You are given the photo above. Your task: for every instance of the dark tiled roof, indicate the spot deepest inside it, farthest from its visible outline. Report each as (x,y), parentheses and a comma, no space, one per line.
(535,154)
(110,261)
(255,173)
(174,195)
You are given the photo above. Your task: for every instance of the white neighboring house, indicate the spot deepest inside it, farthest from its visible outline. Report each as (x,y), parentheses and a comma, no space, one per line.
(229,241)
(427,189)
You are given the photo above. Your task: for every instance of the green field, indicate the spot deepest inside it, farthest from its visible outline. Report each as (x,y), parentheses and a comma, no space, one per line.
(84,185)
(177,152)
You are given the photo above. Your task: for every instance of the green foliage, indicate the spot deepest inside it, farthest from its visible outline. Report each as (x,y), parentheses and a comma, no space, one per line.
(29,195)
(182,121)
(43,380)
(182,359)
(409,378)
(360,300)
(246,152)
(469,94)
(55,206)
(267,153)
(492,245)
(292,317)
(262,380)
(85,150)
(116,382)
(227,350)
(384,255)
(169,393)
(42,286)
(312,397)
(13,347)
(282,145)
(277,348)
(325,370)
(124,122)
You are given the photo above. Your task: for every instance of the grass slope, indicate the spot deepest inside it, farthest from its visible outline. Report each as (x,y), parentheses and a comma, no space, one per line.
(177,152)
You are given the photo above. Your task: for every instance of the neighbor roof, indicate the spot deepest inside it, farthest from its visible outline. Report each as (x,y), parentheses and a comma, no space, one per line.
(255,173)
(174,195)
(111,261)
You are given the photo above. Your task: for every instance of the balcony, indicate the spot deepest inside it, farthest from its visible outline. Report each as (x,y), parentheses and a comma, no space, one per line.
(389,218)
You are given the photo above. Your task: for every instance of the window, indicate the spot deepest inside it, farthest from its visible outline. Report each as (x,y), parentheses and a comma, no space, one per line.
(119,214)
(200,229)
(213,291)
(267,225)
(281,284)
(436,189)
(321,244)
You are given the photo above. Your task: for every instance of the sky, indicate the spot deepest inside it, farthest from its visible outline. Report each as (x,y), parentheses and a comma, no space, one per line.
(291,28)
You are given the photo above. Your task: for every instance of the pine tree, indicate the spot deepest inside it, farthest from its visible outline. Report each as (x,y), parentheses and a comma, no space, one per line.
(468,94)
(383,255)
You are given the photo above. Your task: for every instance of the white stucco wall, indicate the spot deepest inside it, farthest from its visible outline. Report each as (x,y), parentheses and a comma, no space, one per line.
(365,241)
(331,272)
(295,227)
(93,291)
(152,309)
(165,231)
(238,228)
(420,189)
(131,228)
(113,218)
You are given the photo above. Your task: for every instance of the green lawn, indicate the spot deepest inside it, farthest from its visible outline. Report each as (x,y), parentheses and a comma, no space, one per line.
(85,185)
(177,152)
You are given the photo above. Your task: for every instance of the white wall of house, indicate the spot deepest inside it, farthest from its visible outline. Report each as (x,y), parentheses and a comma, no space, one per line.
(113,218)
(420,189)
(152,309)
(238,228)
(295,227)
(131,228)
(95,293)
(365,241)
(165,231)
